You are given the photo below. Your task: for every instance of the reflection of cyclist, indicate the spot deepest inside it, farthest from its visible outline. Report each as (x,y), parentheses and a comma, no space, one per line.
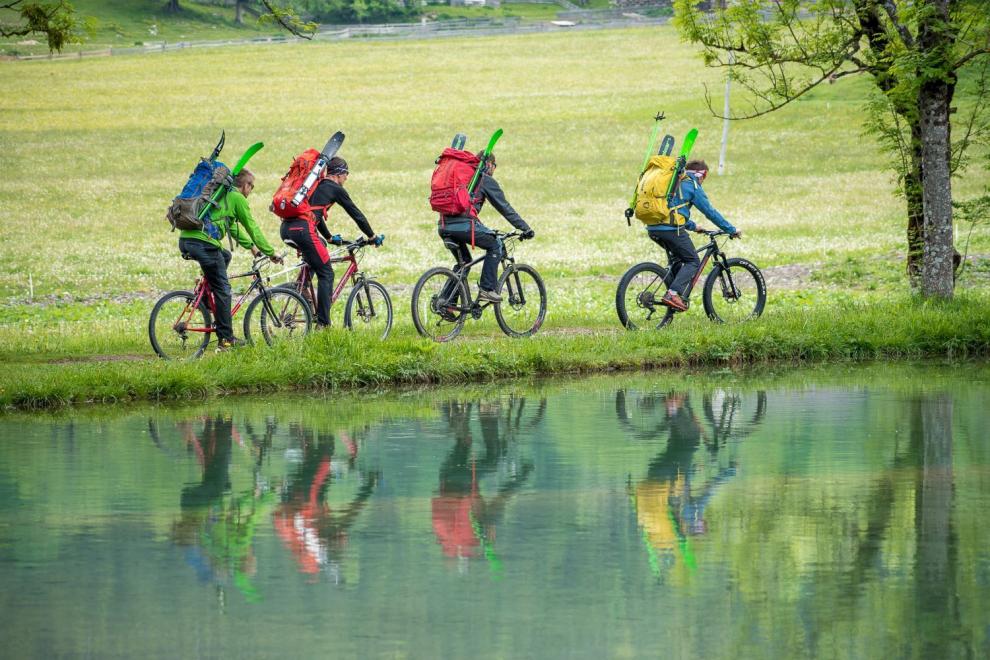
(463,520)
(217,528)
(314,532)
(667,507)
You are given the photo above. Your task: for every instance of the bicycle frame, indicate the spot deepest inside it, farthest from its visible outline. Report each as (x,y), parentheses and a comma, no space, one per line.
(712,250)
(203,291)
(304,281)
(463,269)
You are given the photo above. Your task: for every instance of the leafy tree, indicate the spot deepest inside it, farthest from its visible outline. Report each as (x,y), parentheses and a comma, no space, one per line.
(915,51)
(54,20)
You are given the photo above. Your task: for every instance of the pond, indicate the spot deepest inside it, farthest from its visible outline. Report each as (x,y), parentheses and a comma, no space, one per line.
(831,512)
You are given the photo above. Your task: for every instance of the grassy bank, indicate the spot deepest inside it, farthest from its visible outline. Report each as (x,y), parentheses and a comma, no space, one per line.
(84,262)
(897,328)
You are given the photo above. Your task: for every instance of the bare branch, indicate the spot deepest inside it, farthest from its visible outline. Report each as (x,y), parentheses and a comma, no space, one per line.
(289,20)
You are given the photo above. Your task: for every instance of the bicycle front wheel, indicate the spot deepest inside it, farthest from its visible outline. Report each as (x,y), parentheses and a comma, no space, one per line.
(277,315)
(736,293)
(178,330)
(637,300)
(440,304)
(369,310)
(524,301)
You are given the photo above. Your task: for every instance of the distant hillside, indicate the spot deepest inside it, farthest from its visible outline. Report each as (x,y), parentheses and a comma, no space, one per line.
(122,23)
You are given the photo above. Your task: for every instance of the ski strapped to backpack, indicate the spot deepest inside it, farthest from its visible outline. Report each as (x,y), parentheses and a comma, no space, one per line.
(658,183)
(455,178)
(208,183)
(187,210)
(291,200)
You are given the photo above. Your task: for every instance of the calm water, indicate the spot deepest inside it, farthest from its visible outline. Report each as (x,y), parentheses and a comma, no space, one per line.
(828,513)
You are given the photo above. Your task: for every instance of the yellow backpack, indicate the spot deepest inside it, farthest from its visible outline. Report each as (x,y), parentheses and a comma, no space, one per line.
(651,194)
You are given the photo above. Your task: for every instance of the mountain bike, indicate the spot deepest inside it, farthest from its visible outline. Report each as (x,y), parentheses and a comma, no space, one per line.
(181,322)
(441,299)
(368,308)
(734,290)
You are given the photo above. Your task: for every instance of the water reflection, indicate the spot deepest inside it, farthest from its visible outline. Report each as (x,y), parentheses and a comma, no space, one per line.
(670,501)
(464,520)
(792,519)
(312,527)
(217,527)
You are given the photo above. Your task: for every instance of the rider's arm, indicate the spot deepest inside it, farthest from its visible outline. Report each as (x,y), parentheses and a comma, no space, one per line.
(493,193)
(321,226)
(242,215)
(700,202)
(330,192)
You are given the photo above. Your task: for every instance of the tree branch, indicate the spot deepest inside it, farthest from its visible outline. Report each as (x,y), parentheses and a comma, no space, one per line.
(289,20)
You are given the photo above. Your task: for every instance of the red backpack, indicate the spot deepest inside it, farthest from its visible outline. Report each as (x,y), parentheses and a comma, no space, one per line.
(291,183)
(449,187)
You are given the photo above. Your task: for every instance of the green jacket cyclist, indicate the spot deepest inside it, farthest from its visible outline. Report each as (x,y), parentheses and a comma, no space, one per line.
(232,218)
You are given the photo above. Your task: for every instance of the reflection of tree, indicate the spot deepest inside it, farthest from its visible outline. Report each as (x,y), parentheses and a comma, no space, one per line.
(464,520)
(670,503)
(218,528)
(310,527)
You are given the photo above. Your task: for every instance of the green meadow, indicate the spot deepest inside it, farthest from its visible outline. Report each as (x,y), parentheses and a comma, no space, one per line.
(94,150)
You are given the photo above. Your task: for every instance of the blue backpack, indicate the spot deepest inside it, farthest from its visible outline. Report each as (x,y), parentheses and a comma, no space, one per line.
(190,208)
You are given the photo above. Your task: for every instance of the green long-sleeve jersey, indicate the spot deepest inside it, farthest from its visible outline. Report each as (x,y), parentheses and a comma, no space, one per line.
(233,215)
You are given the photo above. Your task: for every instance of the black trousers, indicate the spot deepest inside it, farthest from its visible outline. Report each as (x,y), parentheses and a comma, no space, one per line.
(314,253)
(684,261)
(214,262)
(484,238)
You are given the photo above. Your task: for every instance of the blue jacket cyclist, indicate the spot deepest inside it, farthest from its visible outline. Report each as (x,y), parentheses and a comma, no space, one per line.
(684,261)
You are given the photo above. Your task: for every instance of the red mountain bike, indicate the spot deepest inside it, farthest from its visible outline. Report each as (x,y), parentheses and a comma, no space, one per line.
(368,308)
(181,322)
(734,289)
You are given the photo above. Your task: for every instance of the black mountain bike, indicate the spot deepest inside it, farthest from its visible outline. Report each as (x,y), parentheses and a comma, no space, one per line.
(441,300)
(734,289)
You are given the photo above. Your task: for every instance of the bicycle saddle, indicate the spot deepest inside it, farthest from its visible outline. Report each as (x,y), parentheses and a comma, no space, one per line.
(291,243)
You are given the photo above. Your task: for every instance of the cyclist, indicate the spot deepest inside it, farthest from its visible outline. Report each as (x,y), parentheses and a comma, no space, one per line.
(232,217)
(684,261)
(302,232)
(465,230)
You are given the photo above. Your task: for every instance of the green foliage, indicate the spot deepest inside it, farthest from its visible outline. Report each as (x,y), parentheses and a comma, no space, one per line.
(56,21)
(358,11)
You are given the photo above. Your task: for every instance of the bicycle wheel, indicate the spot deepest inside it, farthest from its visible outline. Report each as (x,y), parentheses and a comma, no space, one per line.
(440,304)
(637,299)
(177,329)
(524,301)
(740,295)
(285,317)
(369,309)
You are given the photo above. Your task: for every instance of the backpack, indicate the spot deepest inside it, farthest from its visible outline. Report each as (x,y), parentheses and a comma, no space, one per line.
(189,209)
(293,180)
(449,194)
(651,194)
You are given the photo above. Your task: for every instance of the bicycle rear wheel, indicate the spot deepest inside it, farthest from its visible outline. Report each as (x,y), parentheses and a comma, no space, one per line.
(440,304)
(637,299)
(177,329)
(735,294)
(524,301)
(277,315)
(369,310)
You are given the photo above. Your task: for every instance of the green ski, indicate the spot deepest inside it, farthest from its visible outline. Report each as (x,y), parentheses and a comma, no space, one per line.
(646,158)
(681,161)
(484,160)
(222,190)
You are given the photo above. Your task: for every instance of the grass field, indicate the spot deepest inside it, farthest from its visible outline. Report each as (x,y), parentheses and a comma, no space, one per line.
(94,150)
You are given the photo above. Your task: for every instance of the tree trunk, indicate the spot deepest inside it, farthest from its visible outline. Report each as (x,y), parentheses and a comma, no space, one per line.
(239,12)
(172,7)
(915,210)
(934,96)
